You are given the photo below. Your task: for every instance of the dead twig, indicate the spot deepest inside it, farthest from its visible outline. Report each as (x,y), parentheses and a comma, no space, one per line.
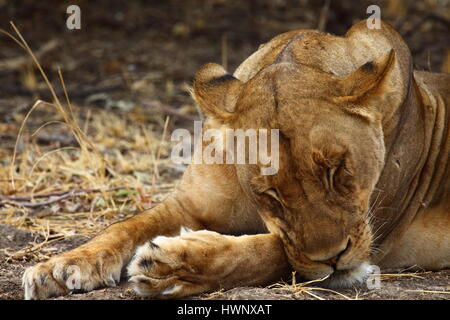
(76,93)
(35,248)
(30,251)
(428,291)
(25,201)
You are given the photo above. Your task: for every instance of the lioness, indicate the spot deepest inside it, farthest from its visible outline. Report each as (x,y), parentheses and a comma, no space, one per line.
(364,178)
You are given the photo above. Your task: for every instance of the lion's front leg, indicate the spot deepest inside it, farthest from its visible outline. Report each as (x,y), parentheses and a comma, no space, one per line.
(214,205)
(99,262)
(204,261)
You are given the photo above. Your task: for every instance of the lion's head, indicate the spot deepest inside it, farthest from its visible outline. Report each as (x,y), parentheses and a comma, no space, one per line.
(331,154)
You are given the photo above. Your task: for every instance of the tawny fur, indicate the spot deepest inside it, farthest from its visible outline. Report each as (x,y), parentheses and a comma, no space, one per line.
(364,177)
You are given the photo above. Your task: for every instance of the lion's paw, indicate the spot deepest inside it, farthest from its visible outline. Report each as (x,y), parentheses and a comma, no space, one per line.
(61,275)
(173,267)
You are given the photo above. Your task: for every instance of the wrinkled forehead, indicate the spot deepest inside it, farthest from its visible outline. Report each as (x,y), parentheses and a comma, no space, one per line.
(313,126)
(299,108)
(316,121)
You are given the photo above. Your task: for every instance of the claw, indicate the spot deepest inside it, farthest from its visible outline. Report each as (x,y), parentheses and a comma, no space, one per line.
(171,290)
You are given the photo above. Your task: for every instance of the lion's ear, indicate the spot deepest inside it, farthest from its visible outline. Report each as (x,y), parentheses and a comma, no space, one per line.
(216,91)
(365,80)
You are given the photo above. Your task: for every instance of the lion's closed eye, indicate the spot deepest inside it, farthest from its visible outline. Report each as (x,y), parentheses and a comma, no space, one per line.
(335,175)
(328,177)
(343,179)
(273,193)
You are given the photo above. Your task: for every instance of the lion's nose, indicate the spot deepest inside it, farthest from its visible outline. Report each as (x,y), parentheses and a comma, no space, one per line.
(333,261)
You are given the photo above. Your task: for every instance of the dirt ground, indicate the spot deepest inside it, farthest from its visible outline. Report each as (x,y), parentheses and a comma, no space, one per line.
(411,286)
(127,72)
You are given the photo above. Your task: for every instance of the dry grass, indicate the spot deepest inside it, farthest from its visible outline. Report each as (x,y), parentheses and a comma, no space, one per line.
(312,290)
(110,167)
(305,288)
(36,251)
